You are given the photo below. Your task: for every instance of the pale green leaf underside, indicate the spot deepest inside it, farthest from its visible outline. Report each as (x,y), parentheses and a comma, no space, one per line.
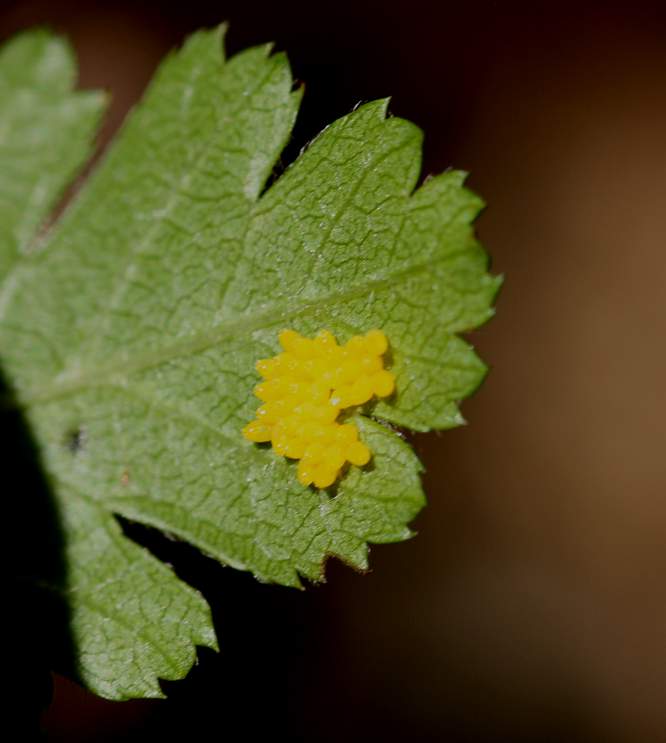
(132,620)
(45,136)
(140,322)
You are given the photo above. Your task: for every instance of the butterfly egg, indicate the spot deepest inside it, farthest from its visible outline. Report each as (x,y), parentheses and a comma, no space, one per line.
(271,412)
(370,364)
(295,448)
(383,383)
(296,345)
(350,371)
(264,414)
(356,345)
(305,410)
(319,393)
(329,434)
(325,412)
(337,356)
(299,370)
(288,339)
(271,368)
(308,429)
(314,452)
(347,433)
(315,368)
(295,389)
(305,472)
(268,368)
(272,389)
(376,342)
(325,341)
(361,391)
(324,477)
(306,350)
(320,413)
(280,441)
(334,458)
(358,453)
(328,376)
(292,425)
(341,397)
(257,431)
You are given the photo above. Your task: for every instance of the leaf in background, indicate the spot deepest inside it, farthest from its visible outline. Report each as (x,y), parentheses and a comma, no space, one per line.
(135,330)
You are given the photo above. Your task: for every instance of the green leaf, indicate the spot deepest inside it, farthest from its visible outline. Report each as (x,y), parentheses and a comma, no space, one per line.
(45,136)
(134,333)
(131,618)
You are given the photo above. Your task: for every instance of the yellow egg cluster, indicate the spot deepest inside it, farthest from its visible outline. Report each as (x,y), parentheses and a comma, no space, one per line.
(303,392)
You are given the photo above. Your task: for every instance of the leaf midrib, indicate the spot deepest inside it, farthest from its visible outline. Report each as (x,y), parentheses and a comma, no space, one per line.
(65,385)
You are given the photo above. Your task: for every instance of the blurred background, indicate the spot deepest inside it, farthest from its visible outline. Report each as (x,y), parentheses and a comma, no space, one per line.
(532,604)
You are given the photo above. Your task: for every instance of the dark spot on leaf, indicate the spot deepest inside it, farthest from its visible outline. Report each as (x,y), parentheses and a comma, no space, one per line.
(74,440)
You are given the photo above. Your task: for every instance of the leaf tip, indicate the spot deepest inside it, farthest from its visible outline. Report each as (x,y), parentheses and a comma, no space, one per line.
(207,41)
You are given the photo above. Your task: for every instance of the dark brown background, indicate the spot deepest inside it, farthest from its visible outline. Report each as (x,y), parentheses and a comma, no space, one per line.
(532,604)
